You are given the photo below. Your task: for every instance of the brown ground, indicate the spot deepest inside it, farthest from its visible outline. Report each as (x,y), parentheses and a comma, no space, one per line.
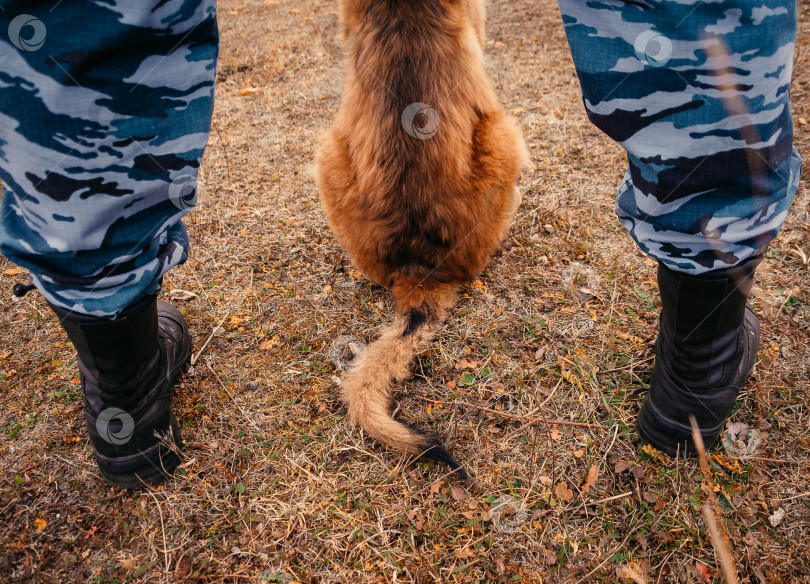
(276,488)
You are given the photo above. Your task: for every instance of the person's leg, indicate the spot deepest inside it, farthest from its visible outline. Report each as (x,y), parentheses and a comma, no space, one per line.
(697,93)
(105,110)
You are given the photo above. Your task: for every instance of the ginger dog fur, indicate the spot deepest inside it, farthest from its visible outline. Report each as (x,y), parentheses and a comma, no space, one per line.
(418,216)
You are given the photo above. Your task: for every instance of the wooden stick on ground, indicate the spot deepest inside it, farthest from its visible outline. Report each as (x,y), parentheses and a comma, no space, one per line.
(717,530)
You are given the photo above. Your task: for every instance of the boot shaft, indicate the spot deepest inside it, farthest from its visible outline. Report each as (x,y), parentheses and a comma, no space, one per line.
(701,320)
(120,360)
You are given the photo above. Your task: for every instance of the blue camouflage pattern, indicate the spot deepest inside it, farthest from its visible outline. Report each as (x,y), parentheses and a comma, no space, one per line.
(696,91)
(105,111)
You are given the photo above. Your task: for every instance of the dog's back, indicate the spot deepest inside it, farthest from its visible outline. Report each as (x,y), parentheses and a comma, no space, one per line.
(424,173)
(417,176)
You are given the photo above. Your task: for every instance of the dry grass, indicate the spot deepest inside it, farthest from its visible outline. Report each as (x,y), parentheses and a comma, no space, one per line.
(276,488)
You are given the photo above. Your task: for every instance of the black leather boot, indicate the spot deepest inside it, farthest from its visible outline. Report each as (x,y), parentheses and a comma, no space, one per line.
(706,349)
(128,367)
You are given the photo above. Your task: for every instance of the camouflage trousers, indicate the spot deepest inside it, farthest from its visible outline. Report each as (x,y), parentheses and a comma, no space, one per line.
(105,110)
(697,93)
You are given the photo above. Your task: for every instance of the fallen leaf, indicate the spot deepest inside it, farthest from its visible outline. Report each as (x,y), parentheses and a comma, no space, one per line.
(464,554)
(128,563)
(465,364)
(249,90)
(662,502)
(417,518)
(702,569)
(458,493)
(587,293)
(555,435)
(562,492)
(593,476)
(750,539)
(183,566)
(90,532)
(620,467)
(628,573)
(579,453)
(40,524)
(451,384)
(13,271)
(650,497)
(436,487)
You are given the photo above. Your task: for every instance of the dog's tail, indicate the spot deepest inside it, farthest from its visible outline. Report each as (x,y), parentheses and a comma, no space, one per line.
(366,387)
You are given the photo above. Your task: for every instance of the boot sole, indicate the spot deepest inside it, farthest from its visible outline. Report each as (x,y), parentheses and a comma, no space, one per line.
(658,430)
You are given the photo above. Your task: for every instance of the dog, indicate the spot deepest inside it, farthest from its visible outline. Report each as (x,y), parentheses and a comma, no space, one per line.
(417,176)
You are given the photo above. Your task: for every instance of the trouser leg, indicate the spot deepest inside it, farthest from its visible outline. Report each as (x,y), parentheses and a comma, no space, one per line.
(105,110)
(697,94)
